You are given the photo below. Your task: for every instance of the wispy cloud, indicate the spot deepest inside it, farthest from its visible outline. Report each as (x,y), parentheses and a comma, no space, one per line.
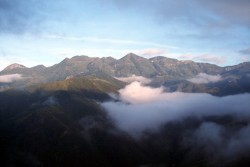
(211,58)
(109,40)
(152,52)
(215,59)
(211,13)
(230,11)
(18,17)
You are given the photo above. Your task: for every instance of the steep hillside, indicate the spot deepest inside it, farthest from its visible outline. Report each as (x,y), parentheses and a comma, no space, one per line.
(61,124)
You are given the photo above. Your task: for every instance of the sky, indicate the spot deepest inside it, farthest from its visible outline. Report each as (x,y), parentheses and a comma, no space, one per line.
(34,32)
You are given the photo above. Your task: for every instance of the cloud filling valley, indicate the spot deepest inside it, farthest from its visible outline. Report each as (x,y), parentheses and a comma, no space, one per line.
(140,109)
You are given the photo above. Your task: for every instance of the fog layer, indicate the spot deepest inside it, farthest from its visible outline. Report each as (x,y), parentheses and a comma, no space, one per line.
(141,108)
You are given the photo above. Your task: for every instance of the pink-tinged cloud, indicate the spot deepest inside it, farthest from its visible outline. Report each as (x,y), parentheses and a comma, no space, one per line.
(10,78)
(136,93)
(152,52)
(139,108)
(214,59)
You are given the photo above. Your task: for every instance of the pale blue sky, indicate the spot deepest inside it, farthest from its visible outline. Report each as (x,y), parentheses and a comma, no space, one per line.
(36,32)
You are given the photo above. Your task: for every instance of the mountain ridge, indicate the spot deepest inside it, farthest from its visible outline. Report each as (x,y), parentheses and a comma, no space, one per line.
(127,56)
(129,65)
(111,64)
(130,56)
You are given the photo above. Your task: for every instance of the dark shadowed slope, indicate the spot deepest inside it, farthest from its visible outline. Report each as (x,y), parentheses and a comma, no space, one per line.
(61,124)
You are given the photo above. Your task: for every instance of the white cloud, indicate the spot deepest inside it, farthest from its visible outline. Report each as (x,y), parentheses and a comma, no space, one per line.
(108,40)
(10,78)
(211,59)
(136,93)
(142,107)
(203,78)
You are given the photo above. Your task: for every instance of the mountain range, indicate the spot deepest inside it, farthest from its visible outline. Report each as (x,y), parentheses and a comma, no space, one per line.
(126,66)
(52,116)
(171,73)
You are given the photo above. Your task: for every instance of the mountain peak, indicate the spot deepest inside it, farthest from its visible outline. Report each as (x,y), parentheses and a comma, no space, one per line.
(14,66)
(131,56)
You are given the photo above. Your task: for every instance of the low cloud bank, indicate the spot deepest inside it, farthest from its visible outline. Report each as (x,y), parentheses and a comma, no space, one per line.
(144,108)
(215,127)
(136,93)
(10,78)
(203,78)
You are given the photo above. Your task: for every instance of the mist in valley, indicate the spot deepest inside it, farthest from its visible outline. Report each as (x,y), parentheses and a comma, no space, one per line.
(200,126)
